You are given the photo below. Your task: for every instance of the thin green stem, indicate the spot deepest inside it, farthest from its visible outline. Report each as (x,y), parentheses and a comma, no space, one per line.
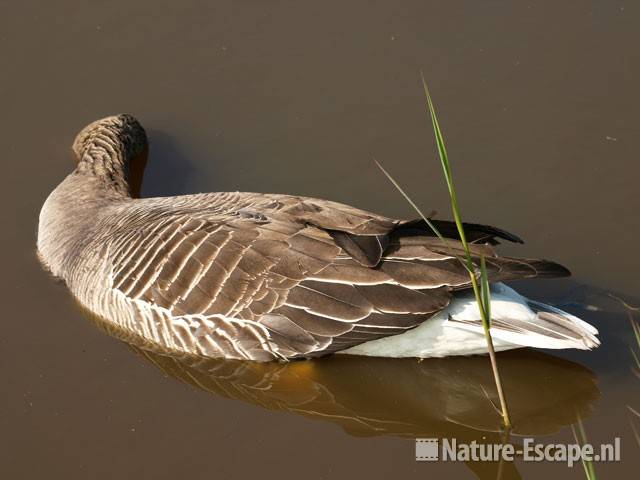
(482,298)
(581,438)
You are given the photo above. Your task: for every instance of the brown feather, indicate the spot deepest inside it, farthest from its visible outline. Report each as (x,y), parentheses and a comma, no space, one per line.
(317,275)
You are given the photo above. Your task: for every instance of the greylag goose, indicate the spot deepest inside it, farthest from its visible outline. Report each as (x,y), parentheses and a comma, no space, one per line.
(264,276)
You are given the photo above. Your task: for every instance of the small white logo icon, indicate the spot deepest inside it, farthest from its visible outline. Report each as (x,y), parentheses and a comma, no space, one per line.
(426,449)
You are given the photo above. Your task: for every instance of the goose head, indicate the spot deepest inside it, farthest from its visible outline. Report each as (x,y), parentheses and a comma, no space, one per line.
(121,134)
(114,148)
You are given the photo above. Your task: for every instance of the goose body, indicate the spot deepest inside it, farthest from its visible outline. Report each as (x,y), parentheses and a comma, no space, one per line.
(265,276)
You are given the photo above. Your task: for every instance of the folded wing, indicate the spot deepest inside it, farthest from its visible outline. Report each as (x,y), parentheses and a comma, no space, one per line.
(287,277)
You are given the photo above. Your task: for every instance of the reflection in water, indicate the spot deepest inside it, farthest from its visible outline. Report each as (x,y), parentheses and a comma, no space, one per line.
(367,396)
(449,397)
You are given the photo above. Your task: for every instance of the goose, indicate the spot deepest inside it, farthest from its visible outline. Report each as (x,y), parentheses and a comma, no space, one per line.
(262,277)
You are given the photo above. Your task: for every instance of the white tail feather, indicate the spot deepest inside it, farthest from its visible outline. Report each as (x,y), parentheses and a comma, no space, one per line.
(457,330)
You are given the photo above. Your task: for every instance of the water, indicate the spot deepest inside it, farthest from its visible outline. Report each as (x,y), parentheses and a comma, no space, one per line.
(539,109)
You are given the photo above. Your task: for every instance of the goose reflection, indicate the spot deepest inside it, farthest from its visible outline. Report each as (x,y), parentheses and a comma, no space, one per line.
(450,397)
(439,397)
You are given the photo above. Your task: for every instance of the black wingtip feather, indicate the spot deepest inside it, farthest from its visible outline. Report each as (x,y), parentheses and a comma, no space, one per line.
(475,232)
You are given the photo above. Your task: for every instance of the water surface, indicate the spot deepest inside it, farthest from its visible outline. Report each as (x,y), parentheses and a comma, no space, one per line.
(539,108)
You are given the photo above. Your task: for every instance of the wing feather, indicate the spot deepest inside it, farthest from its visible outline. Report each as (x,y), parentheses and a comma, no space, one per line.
(282,277)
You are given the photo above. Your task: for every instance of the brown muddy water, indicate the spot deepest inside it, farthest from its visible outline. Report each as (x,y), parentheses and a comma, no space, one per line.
(539,105)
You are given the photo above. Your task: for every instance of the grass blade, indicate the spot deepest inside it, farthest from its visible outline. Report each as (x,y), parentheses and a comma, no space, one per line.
(581,438)
(411,202)
(426,219)
(446,166)
(485,291)
(482,292)
(636,329)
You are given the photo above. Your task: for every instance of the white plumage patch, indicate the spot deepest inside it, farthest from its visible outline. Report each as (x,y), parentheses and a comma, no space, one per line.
(457,330)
